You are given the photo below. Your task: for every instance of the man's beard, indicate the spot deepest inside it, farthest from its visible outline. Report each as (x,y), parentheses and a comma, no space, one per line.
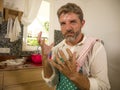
(71,38)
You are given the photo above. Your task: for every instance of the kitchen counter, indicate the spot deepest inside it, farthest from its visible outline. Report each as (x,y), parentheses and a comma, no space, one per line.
(19,67)
(22,77)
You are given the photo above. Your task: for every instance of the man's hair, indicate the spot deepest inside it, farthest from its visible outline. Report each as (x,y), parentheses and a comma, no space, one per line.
(70,8)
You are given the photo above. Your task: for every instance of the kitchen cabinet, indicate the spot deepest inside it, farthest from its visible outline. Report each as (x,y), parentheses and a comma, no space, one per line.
(1,5)
(22,79)
(1,79)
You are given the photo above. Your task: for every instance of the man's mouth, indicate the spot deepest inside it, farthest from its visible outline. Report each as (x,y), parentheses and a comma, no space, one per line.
(69,34)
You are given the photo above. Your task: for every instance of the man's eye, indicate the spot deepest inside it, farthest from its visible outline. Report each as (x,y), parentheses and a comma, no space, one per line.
(73,22)
(62,24)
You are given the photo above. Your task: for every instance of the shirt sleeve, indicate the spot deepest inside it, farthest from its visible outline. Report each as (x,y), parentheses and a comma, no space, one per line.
(53,80)
(93,84)
(98,69)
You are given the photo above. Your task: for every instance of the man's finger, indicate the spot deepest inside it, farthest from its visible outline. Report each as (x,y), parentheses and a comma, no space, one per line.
(62,55)
(59,61)
(56,65)
(39,37)
(70,54)
(52,45)
(68,64)
(74,58)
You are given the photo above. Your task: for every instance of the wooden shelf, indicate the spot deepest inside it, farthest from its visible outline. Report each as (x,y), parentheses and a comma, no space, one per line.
(12,13)
(1,5)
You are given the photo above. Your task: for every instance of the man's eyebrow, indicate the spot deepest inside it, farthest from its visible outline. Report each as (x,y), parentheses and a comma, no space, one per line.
(62,22)
(73,20)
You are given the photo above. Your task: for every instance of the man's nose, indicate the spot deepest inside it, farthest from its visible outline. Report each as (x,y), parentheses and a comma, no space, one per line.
(68,27)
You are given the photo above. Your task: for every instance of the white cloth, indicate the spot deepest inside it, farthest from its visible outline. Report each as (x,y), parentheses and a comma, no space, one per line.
(95,67)
(9,28)
(31,8)
(15,30)
(89,43)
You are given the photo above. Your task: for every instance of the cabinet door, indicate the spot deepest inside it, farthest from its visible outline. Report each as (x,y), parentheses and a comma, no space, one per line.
(22,76)
(28,79)
(29,86)
(1,80)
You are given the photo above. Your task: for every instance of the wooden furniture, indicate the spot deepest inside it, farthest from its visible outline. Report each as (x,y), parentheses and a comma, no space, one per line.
(1,11)
(12,13)
(22,79)
(1,5)
(1,79)
(6,57)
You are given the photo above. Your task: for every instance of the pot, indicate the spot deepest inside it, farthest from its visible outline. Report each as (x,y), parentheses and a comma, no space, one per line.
(36,58)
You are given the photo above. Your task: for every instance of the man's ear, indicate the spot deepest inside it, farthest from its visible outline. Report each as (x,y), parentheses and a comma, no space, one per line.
(83,22)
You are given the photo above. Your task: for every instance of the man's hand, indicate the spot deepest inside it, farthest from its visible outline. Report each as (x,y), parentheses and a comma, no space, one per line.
(67,67)
(45,48)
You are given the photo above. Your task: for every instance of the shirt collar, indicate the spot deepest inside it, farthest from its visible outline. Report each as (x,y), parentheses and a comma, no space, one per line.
(82,42)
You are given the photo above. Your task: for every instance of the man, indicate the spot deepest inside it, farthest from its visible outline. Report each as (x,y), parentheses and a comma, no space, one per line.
(63,70)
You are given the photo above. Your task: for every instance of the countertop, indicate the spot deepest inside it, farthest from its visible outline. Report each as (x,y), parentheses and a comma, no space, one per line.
(19,67)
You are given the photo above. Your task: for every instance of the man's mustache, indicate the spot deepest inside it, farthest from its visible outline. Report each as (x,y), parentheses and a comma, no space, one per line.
(69,32)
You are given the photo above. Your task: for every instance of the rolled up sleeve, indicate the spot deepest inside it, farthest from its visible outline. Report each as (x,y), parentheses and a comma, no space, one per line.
(98,69)
(53,80)
(93,84)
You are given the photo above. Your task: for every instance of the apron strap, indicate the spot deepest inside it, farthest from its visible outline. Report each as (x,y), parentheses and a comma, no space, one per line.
(89,43)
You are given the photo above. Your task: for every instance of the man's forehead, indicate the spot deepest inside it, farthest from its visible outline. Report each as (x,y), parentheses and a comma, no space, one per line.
(68,16)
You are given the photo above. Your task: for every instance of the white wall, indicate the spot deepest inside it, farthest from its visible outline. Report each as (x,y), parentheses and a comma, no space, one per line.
(102,21)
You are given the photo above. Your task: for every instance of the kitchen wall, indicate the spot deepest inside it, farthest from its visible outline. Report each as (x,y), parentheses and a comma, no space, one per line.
(16,46)
(5,42)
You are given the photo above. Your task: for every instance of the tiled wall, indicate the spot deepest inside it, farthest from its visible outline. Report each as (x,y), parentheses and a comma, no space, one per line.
(15,47)
(58,37)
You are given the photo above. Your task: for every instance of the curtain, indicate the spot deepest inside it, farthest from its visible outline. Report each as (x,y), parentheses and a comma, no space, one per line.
(31,8)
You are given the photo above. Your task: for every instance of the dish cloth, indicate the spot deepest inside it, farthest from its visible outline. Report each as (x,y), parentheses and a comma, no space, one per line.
(15,30)
(9,28)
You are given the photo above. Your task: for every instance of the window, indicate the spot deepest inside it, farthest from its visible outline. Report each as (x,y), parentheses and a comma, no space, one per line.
(40,23)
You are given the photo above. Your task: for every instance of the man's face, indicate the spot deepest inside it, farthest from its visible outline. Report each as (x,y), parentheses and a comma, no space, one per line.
(70,26)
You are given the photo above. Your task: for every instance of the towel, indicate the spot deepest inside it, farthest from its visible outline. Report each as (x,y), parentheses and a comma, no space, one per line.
(86,49)
(15,30)
(9,28)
